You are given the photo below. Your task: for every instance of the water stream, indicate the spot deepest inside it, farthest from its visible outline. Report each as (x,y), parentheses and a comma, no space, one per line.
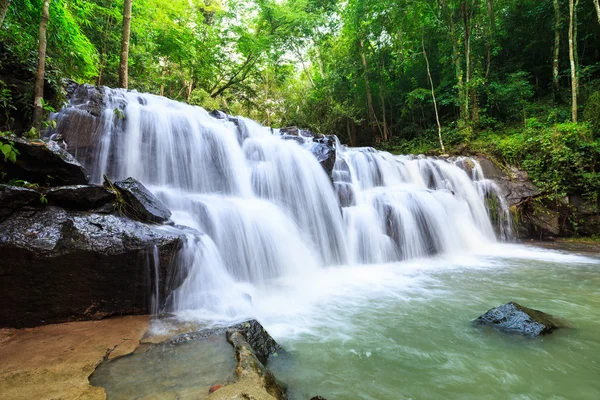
(369,276)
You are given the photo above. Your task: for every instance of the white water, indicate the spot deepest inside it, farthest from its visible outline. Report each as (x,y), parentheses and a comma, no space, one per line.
(270,214)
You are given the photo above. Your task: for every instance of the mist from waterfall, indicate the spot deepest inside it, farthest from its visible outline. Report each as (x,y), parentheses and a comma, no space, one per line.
(263,209)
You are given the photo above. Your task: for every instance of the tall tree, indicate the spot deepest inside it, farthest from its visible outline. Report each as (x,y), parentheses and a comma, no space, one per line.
(597,4)
(123,73)
(556,61)
(574,79)
(38,105)
(435,107)
(3,8)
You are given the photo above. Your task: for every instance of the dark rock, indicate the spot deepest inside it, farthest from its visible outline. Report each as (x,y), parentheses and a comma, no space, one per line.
(218,114)
(43,162)
(290,130)
(60,265)
(143,205)
(324,150)
(13,198)
(515,185)
(81,197)
(262,343)
(514,318)
(318,398)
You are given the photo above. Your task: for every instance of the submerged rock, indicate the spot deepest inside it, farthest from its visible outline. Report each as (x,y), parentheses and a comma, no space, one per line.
(43,162)
(143,205)
(60,265)
(514,318)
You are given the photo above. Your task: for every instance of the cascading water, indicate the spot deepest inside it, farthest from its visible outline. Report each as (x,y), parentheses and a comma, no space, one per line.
(268,209)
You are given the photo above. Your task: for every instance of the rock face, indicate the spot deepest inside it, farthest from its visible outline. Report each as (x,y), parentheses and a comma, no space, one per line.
(60,265)
(42,162)
(516,188)
(142,205)
(514,318)
(253,379)
(262,343)
(324,151)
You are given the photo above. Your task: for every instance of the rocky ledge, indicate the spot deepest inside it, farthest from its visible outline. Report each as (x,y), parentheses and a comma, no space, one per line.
(69,252)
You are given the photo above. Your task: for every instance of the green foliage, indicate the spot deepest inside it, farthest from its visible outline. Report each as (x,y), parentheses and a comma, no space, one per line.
(591,112)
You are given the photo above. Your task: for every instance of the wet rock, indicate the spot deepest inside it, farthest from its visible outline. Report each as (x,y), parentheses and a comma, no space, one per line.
(80,197)
(514,318)
(295,131)
(515,184)
(60,265)
(143,205)
(263,344)
(253,379)
(318,398)
(345,194)
(13,198)
(324,151)
(42,162)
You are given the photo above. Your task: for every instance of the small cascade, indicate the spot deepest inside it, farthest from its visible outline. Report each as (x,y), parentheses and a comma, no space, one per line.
(261,206)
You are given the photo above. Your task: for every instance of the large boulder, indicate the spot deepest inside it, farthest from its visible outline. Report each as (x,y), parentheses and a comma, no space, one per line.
(43,162)
(514,318)
(60,265)
(141,204)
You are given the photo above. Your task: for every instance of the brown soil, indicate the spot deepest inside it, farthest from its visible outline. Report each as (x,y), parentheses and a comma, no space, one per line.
(55,361)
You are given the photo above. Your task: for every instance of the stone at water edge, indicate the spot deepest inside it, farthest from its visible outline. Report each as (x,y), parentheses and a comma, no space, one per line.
(514,318)
(214,388)
(144,205)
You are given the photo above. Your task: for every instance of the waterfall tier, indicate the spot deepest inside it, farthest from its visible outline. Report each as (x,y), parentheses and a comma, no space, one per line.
(267,206)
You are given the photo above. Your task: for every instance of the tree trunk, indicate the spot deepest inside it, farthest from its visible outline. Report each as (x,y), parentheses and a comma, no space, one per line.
(38,107)
(3,9)
(367,85)
(437,116)
(123,73)
(574,81)
(555,62)
(467,28)
(456,57)
(597,4)
(490,35)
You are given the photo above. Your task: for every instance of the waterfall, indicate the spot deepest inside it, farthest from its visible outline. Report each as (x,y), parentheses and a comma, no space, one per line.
(262,207)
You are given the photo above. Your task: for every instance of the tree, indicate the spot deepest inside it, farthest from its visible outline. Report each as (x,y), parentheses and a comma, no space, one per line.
(38,105)
(556,61)
(574,77)
(123,68)
(3,8)
(437,116)
(597,4)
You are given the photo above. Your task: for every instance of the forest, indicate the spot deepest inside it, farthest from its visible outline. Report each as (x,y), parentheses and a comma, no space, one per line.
(518,80)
